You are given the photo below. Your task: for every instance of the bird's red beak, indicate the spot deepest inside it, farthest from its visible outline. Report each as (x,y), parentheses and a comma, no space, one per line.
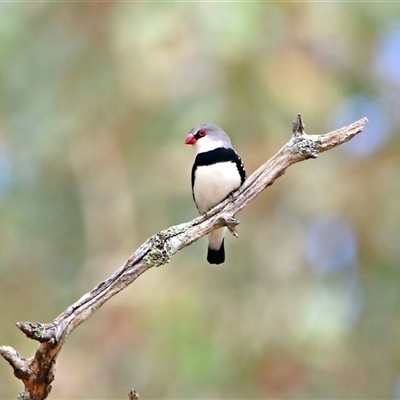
(190,139)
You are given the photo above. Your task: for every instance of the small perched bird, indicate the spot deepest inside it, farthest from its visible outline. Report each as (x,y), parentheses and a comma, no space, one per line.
(217,171)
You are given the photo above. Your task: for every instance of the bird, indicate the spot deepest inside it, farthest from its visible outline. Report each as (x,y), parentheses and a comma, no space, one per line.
(217,171)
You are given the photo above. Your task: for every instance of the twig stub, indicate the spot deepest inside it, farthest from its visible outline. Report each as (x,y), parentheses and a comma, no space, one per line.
(298,126)
(133,395)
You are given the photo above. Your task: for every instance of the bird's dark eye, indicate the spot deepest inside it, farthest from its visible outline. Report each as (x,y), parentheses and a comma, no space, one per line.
(202,132)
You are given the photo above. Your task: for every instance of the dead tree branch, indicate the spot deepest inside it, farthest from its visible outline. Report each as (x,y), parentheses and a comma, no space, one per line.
(37,373)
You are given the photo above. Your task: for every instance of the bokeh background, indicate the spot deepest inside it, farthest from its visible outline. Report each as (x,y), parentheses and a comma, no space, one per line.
(96,101)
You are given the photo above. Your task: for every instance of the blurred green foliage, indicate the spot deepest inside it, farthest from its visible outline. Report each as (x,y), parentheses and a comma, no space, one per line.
(96,101)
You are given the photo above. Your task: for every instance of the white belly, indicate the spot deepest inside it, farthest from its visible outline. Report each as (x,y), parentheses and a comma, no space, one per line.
(213,183)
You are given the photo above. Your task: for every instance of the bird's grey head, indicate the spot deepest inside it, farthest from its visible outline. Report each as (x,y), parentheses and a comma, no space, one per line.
(206,137)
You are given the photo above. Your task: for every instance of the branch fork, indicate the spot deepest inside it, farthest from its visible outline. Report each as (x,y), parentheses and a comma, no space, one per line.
(231,223)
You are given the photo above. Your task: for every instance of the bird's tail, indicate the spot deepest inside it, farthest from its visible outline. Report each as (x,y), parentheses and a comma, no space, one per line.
(216,256)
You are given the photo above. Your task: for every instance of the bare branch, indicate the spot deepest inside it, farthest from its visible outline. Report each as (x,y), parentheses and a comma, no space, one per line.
(37,373)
